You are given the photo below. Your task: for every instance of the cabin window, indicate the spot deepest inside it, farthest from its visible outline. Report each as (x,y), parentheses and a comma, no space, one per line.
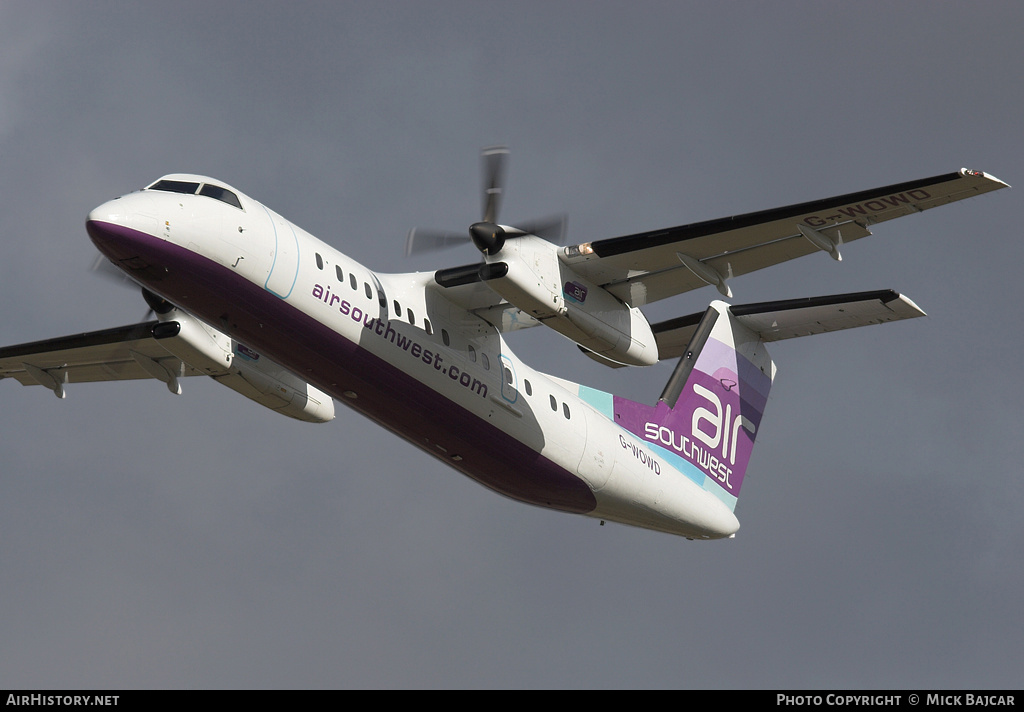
(485,361)
(366,288)
(352,281)
(398,309)
(529,388)
(472,354)
(554,403)
(222,194)
(412,317)
(319,261)
(426,325)
(382,300)
(565,410)
(508,376)
(341,276)
(445,338)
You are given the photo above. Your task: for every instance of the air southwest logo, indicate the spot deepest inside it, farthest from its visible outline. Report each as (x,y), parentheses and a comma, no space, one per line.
(719,436)
(575,291)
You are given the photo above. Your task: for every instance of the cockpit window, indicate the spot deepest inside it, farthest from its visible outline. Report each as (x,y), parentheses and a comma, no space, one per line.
(175,186)
(222,194)
(189,188)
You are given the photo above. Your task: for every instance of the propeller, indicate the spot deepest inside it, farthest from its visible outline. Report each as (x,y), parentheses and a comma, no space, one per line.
(104,268)
(487,235)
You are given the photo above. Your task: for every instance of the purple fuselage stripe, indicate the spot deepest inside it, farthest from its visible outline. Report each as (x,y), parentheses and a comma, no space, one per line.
(329,361)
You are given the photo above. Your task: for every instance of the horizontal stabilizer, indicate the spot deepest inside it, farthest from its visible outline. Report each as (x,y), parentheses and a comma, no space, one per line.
(778,320)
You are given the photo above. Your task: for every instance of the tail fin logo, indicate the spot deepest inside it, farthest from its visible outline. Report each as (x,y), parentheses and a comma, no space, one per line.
(717,428)
(710,411)
(711,430)
(724,427)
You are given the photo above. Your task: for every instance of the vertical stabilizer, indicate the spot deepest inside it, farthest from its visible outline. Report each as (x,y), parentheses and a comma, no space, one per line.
(709,413)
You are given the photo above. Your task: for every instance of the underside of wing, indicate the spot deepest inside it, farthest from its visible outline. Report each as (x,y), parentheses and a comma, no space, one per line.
(649,266)
(122,353)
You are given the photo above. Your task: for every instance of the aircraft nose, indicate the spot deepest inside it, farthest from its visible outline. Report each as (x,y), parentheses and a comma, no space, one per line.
(134,210)
(102,224)
(116,227)
(109,237)
(109,222)
(107,212)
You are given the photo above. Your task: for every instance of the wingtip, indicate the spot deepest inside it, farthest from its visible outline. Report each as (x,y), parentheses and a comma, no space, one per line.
(986,176)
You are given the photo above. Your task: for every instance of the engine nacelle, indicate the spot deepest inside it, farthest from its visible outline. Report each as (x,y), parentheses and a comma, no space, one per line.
(241,369)
(528,273)
(200,346)
(264,381)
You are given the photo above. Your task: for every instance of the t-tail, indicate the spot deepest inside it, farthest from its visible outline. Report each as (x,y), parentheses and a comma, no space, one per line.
(709,414)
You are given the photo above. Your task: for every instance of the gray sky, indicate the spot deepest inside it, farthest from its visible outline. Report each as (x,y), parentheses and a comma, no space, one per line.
(148,540)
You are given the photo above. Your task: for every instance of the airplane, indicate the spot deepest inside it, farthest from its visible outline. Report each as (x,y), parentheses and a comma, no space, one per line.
(249,299)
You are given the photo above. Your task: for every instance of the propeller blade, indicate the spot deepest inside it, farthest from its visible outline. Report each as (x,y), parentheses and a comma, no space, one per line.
(553,228)
(494,160)
(420,241)
(104,268)
(488,235)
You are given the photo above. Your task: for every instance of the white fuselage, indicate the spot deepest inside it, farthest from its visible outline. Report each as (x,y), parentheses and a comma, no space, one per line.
(392,347)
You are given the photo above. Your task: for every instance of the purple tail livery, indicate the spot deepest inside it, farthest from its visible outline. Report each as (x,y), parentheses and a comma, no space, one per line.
(708,416)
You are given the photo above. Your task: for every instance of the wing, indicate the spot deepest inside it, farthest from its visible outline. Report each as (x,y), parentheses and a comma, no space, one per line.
(123,353)
(643,268)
